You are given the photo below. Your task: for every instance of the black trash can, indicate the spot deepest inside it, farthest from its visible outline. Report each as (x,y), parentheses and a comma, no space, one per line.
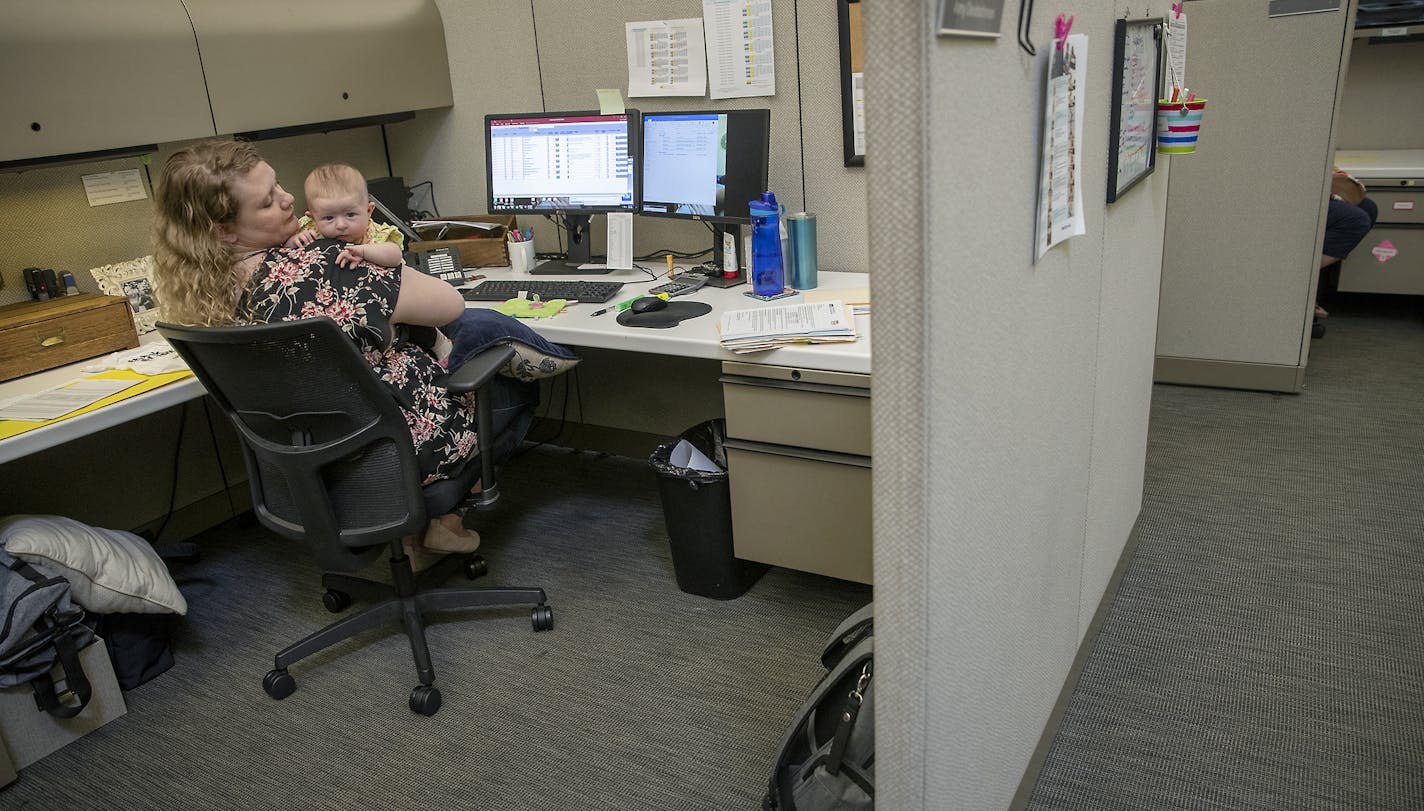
(697,507)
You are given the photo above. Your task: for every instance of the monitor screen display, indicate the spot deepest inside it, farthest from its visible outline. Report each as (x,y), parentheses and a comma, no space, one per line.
(561,162)
(705,165)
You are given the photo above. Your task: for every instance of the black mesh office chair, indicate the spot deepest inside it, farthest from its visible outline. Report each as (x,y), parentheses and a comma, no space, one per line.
(331,464)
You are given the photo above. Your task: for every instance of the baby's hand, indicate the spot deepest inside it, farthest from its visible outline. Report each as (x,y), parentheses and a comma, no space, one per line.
(303,238)
(351,256)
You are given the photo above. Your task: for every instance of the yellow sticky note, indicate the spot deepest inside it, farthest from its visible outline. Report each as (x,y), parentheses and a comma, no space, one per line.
(610,102)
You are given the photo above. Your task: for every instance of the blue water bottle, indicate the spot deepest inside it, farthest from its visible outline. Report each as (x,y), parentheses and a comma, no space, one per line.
(767,279)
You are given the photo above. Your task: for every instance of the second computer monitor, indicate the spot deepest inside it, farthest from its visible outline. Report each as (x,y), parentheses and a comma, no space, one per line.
(705,165)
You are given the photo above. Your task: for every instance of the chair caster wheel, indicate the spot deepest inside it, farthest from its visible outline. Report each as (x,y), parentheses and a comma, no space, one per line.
(335,601)
(475,566)
(424,700)
(279,684)
(543,617)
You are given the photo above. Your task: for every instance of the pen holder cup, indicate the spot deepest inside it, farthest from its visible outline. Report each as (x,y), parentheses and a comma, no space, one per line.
(521,256)
(1178,123)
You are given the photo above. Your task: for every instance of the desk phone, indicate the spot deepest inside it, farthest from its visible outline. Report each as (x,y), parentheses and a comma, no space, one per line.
(442,263)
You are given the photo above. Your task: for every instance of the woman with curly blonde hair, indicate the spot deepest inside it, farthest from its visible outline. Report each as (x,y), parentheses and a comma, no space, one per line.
(223,257)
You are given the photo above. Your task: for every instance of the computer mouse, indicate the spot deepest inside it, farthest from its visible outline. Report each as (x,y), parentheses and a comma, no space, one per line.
(648,304)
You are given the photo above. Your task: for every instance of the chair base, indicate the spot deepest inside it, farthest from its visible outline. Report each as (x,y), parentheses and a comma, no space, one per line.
(406,599)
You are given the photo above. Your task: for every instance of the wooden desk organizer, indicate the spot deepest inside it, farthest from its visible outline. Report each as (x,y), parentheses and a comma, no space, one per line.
(39,335)
(478,248)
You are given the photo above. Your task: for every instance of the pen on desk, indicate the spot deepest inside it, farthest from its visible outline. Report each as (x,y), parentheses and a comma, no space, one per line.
(599,312)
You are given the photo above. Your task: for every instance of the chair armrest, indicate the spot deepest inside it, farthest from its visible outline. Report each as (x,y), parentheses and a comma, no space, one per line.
(478,369)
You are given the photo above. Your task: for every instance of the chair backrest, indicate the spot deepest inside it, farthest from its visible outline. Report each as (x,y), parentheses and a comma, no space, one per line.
(329,455)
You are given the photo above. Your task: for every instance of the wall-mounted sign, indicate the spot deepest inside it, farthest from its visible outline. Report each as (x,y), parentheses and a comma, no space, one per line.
(970,18)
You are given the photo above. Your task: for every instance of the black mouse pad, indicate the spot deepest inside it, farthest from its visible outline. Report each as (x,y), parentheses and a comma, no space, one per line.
(670,316)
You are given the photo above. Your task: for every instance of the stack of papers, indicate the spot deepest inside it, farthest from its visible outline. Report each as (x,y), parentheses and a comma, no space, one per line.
(765,328)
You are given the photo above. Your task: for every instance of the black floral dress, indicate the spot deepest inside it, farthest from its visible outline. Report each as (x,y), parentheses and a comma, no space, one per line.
(295,283)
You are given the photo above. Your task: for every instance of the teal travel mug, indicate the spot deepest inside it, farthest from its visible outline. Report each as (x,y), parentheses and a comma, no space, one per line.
(801,234)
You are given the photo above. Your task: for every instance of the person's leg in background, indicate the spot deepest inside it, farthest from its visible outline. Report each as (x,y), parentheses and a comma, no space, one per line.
(1345,226)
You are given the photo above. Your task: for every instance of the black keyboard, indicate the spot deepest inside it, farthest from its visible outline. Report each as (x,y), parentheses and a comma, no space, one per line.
(546,290)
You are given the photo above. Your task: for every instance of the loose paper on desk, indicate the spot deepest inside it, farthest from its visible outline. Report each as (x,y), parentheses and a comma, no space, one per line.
(620,240)
(1060,185)
(665,58)
(483,226)
(741,59)
(686,456)
(762,328)
(57,402)
(151,359)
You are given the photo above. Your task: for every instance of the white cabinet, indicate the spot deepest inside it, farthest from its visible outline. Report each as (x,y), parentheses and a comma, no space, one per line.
(79,76)
(83,76)
(276,63)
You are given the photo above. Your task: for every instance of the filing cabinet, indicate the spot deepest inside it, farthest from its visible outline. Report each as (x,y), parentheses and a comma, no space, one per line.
(799,461)
(1391,257)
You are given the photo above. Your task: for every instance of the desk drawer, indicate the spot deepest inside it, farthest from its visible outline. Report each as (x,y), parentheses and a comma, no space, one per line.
(795,411)
(1398,206)
(35,336)
(1362,272)
(802,510)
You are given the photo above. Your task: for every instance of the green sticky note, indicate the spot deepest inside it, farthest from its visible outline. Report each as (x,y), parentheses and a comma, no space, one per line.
(610,102)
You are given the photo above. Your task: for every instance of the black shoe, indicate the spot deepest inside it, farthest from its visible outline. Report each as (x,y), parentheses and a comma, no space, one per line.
(1317,328)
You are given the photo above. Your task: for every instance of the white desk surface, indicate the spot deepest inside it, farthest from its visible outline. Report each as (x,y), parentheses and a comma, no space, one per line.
(695,337)
(98,420)
(1381,163)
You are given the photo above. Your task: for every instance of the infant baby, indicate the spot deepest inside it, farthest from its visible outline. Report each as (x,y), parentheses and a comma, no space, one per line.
(340,207)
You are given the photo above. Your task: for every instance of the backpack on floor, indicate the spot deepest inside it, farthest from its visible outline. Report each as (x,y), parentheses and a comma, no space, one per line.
(826,761)
(40,627)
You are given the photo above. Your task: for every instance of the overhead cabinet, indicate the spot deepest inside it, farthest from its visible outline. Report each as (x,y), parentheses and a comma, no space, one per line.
(274,63)
(78,76)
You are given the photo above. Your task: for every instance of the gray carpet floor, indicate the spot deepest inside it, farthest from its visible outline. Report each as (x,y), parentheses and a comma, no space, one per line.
(1265,649)
(641,696)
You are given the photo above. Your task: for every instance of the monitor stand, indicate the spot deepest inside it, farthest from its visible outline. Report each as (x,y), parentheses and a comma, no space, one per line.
(580,251)
(716,276)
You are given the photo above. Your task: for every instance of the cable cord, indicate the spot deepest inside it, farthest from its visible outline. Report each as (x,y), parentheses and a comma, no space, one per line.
(435,207)
(173,486)
(217,454)
(570,380)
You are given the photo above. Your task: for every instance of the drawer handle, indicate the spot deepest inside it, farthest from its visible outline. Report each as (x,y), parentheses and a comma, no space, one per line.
(55,340)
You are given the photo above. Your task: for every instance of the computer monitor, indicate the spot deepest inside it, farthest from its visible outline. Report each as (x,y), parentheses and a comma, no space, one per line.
(705,165)
(570,164)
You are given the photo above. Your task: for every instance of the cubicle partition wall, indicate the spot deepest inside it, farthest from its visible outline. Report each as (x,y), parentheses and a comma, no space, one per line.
(1245,215)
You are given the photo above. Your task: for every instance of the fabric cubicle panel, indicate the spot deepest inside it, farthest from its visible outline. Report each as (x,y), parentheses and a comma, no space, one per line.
(1010,412)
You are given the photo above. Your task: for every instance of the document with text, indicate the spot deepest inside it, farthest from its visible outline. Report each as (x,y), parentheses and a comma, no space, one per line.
(761,328)
(740,56)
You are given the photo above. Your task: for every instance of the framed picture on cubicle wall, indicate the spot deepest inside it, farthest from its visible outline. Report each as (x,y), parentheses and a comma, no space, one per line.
(852,82)
(132,280)
(1132,129)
